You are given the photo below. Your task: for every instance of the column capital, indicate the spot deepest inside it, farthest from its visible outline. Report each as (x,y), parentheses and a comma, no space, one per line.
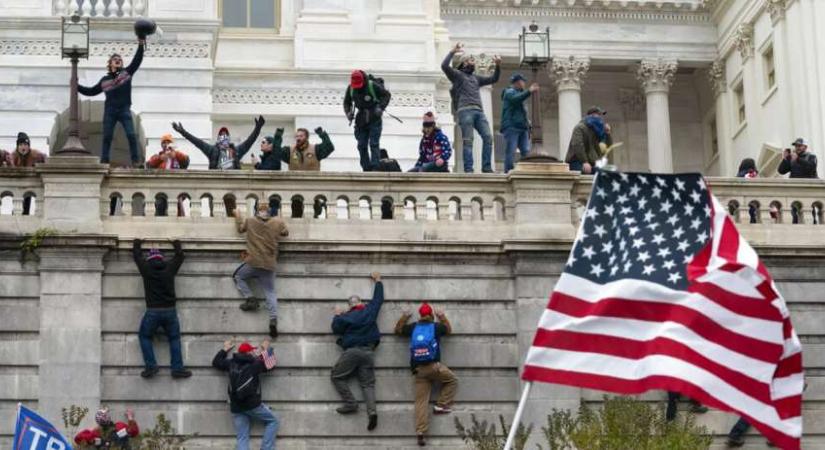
(656,75)
(569,71)
(776,9)
(743,40)
(716,76)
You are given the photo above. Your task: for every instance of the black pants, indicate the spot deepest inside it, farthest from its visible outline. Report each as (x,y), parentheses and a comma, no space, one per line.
(672,402)
(359,361)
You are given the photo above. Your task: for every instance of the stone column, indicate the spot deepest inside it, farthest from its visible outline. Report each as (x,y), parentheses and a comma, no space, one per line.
(568,74)
(71,186)
(656,77)
(719,85)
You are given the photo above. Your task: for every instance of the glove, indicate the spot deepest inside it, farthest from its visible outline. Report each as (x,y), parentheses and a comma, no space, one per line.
(319,130)
(259,122)
(279,132)
(350,116)
(177,127)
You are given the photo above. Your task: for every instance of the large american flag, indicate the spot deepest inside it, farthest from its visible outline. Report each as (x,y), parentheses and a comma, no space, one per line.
(661,292)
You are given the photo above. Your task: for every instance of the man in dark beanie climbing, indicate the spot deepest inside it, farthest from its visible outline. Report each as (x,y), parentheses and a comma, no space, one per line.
(117,85)
(371,98)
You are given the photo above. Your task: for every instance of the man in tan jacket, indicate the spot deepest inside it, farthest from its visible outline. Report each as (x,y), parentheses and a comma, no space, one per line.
(262,235)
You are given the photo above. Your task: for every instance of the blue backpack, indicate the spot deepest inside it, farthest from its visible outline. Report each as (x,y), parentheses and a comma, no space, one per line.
(423,343)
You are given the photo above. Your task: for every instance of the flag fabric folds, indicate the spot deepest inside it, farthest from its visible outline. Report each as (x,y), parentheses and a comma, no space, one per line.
(661,292)
(33,432)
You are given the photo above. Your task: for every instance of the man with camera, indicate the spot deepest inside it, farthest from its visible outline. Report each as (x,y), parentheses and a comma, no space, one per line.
(799,162)
(169,157)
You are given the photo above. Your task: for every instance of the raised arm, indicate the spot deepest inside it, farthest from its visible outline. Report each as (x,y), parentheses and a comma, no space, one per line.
(513,96)
(402,324)
(197,142)
(446,65)
(377,297)
(277,140)
(492,79)
(247,144)
(136,60)
(177,260)
(220,360)
(90,91)
(325,148)
(137,254)
(240,223)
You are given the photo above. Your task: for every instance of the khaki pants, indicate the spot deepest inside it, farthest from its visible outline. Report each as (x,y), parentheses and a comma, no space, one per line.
(424,378)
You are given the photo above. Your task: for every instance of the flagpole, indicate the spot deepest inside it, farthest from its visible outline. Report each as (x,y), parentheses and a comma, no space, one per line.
(517,419)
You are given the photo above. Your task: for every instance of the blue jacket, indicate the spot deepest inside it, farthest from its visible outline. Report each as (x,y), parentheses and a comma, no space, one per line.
(513,112)
(358,327)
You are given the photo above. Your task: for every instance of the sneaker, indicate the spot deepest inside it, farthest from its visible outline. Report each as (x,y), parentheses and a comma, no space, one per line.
(373,422)
(442,409)
(421,441)
(735,442)
(273,328)
(250,304)
(150,372)
(182,373)
(347,409)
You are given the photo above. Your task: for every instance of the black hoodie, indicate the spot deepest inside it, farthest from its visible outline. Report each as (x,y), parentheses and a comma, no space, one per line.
(222,362)
(158,276)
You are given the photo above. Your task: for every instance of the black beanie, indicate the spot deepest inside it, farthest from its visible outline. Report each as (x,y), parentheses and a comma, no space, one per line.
(22,137)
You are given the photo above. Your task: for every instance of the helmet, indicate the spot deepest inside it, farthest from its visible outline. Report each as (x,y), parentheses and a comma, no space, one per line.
(145,27)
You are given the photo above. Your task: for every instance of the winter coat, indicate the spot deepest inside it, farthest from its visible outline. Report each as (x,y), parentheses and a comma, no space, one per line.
(803,167)
(442,328)
(29,160)
(584,145)
(269,160)
(116,85)
(213,153)
(466,85)
(179,160)
(369,109)
(262,236)
(308,159)
(513,112)
(357,327)
(433,147)
(241,360)
(158,277)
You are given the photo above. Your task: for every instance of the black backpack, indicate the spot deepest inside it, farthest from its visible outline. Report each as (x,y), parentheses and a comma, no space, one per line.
(371,81)
(243,382)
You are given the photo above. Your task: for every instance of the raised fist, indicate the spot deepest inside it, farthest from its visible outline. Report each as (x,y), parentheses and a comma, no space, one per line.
(259,122)
(459,48)
(319,130)
(178,127)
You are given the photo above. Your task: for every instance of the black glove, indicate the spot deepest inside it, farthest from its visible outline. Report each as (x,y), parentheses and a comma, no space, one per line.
(319,130)
(178,127)
(259,122)
(176,243)
(279,132)
(350,116)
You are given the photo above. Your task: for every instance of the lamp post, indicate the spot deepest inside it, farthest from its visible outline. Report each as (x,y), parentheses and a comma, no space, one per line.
(534,52)
(75,45)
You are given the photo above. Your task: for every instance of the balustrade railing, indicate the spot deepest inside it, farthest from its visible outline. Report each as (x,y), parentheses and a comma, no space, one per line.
(101,8)
(21,193)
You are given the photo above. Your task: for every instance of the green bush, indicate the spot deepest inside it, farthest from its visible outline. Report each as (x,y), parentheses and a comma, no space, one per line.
(481,436)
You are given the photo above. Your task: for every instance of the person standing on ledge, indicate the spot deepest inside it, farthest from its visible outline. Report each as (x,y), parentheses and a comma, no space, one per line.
(159,291)
(222,155)
(358,336)
(262,235)
(514,124)
(303,156)
(466,97)
(117,85)
(369,95)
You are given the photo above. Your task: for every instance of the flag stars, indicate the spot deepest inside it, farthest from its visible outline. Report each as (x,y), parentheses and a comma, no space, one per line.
(638,243)
(682,246)
(633,230)
(629,221)
(596,269)
(588,252)
(642,203)
(657,192)
(627,266)
(695,224)
(599,231)
(666,205)
(672,220)
(678,232)
(695,196)
(688,208)
(668,264)
(663,252)
(661,181)
(625,210)
(648,269)
(702,237)
(607,247)
(675,194)
(658,239)
(625,177)
(680,185)
(613,270)
(649,216)
(609,210)
(674,278)
(653,226)
(634,190)
(601,193)
(616,186)
(702,185)
(591,213)
(621,199)
(643,256)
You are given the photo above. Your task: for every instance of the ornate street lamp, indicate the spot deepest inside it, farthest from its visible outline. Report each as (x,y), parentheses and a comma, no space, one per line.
(75,45)
(534,52)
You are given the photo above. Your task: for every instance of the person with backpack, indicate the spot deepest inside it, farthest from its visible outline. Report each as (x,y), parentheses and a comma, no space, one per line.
(466,96)
(514,123)
(244,369)
(222,155)
(425,361)
(159,292)
(358,336)
(370,97)
(387,164)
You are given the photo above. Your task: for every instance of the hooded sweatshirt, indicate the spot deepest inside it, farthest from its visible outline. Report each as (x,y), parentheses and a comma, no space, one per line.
(466,85)
(116,85)
(214,152)
(158,277)
(241,361)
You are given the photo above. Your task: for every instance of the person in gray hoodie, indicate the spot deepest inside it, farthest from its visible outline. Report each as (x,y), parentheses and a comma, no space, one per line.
(467,102)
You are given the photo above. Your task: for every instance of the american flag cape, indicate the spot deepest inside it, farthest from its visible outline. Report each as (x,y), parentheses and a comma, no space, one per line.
(661,292)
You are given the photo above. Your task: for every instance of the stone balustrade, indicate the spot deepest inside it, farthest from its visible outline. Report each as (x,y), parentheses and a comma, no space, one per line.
(100,8)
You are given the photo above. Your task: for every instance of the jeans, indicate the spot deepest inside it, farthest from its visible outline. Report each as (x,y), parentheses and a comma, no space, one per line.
(370,133)
(111,117)
(358,361)
(579,166)
(242,425)
(468,120)
(515,138)
(431,167)
(168,320)
(266,281)
(739,429)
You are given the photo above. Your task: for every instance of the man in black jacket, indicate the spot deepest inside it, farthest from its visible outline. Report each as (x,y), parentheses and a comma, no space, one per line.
(371,98)
(221,156)
(117,84)
(800,162)
(159,292)
(359,336)
(270,156)
(245,401)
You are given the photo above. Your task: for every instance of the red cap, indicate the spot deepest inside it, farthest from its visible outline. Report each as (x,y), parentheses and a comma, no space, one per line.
(356,80)
(425,310)
(246,347)
(223,130)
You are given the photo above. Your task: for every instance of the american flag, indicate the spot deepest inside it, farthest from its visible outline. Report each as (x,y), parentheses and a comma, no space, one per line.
(661,292)
(267,356)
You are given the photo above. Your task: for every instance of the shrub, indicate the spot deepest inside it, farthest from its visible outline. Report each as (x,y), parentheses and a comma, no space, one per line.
(480,436)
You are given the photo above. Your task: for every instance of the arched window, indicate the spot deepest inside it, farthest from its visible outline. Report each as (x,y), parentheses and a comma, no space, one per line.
(454,209)
(206,205)
(342,208)
(386,208)
(319,207)
(274,205)
(733,210)
(364,210)
(6,203)
(499,209)
(478,209)
(161,205)
(138,204)
(229,205)
(432,208)
(115,204)
(297,207)
(409,208)
(184,205)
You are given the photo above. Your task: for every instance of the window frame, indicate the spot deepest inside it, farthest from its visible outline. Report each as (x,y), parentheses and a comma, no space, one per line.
(740,110)
(276,29)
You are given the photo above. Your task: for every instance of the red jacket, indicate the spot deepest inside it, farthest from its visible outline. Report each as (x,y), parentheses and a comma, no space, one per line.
(179,161)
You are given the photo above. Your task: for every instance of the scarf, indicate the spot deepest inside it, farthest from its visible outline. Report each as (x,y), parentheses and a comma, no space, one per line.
(597,125)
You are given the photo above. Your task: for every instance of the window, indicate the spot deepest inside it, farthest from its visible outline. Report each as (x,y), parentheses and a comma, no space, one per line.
(249,14)
(739,96)
(770,68)
(714,138)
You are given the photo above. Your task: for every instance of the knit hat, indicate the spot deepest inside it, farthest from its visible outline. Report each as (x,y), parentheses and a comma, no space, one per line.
(120,430)
(428,117)
(154,253)
(269,139)
(167,138)
(245,347)
(223,130)
(356,79)
(102,417)
(425,310)
(23,138)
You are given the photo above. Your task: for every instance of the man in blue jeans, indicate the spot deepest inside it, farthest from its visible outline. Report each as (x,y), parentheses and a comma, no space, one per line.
(244,390)
(117,85)
(367,94)
(514,124)
(159,291)
(466,98)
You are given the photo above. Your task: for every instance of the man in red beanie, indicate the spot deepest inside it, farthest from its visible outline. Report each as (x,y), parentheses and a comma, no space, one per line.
(425,360)
(369,95)
(245,392)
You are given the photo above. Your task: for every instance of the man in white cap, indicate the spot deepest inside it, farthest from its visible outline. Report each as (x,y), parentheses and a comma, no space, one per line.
(799,162)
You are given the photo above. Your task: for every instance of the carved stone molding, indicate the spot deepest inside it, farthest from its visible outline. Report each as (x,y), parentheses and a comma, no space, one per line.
(311,97)
(743,40)
(568,72)
(581,10)
(776,9)
(632,103)
(49,47)
(656,75)
(716,77)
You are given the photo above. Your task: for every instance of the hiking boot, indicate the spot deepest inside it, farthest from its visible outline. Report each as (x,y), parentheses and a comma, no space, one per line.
(421,441)
(273,328)
(373,422)
(250,304)
(347,409)
(181,373)
(442,409)
(734,442)
(150,372)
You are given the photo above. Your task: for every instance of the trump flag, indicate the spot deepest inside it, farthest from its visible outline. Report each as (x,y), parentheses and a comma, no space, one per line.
(33,432)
